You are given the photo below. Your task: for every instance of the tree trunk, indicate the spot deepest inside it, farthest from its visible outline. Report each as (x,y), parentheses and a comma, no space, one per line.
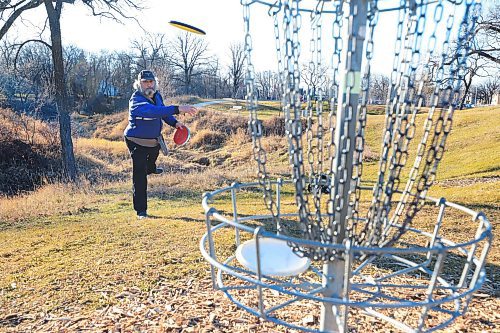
(467,87)
(68,157)
(186,81)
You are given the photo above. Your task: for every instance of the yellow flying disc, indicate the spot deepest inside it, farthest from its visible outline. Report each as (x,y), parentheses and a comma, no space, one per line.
(187,27)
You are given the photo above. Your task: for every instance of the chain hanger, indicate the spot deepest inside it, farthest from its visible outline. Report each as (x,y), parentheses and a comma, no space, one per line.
(326,168)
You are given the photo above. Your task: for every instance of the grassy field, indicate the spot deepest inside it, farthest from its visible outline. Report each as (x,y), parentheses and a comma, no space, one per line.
(75,258)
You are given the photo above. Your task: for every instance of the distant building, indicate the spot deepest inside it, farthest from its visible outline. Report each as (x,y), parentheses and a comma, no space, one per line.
(107,89)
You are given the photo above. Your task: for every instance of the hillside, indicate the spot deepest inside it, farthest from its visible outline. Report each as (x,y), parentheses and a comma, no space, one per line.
(76,258)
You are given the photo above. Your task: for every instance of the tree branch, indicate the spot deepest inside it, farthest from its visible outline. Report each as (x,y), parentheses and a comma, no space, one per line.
(6,7)
(487,56)
(113,10)
(15,15)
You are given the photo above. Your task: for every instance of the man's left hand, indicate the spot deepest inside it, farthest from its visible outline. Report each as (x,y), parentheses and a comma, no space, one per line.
(179,125)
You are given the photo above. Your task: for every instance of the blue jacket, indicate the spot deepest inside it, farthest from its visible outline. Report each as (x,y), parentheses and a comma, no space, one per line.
(145,116)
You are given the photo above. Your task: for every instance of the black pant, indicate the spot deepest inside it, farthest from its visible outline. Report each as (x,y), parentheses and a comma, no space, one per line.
(143,164)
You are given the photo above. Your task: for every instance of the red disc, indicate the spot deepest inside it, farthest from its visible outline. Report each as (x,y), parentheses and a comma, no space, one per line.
(181,135)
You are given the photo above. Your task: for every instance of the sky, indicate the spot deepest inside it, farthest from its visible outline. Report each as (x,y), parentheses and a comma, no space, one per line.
(222,20)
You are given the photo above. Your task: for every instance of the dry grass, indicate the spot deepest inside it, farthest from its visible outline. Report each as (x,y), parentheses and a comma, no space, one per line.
(27,129)
(102,147)
(207,139)
(222,123)
(47,201)
(112,127)
(29,156)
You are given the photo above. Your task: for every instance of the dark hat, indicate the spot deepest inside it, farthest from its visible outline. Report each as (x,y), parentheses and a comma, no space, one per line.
(146,75)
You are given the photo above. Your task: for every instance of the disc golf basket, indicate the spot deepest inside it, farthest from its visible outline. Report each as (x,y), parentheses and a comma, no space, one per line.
(330,248)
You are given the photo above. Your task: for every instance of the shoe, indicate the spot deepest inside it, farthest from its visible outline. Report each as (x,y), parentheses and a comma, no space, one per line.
(158,171)
(142,215)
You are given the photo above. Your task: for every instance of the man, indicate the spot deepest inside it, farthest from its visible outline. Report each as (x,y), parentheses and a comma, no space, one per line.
(146,113)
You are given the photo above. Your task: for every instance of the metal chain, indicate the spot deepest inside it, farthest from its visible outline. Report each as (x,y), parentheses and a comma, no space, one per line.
(292,111)
(425,77)
(405,98)
(274,11)
(342,168)
(402,131)
(371,229)
(255,124)
(315,149)
(354,201)
(451,94)
(336,63)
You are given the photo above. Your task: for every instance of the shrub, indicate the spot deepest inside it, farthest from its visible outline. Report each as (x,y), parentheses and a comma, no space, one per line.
(208,140)
(29,153)
(217,122)
(111,127)
(274,126)
(25,167)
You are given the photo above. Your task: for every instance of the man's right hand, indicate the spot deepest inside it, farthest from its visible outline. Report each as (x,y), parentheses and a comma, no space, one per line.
(189,109)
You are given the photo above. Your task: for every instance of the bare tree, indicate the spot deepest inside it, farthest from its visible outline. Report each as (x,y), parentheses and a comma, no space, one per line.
(149,50)
(214,74)
(486,90)
(235,70)
(211,80)
(487,35)
(379,88)
(74,60)
(188,55)
(268,84)
(476,67)
(72,56)
(7,52)
(122,72)
(264,83)
(492,87)
(101,82)
(11,11)
(26,74)
(485,39)
(33,75)
(165,77)
(484,57)
(314,77)
(484,53)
